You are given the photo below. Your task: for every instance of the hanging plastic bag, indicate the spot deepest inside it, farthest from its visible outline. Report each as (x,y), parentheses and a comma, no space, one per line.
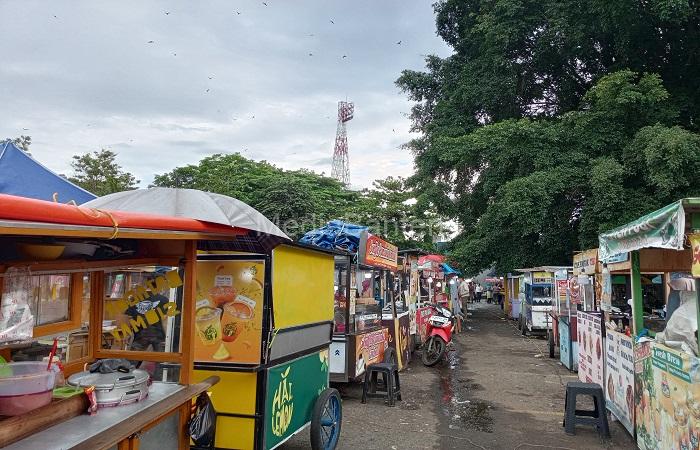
(202,426)
(16,318)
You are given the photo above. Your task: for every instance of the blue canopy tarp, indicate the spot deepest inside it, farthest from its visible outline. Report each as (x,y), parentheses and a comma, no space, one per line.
(449,270)
(22,175)
(335,235)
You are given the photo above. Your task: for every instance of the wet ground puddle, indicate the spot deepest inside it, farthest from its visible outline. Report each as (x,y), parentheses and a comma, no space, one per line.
(455,403)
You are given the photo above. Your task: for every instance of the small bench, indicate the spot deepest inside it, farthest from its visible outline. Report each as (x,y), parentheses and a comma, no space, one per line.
(572,416)
(391,388)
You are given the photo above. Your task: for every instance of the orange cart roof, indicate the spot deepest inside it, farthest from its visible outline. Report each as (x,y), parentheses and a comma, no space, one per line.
(19,215)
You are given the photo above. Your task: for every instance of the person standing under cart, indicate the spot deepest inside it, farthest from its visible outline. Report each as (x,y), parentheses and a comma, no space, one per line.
(479,289)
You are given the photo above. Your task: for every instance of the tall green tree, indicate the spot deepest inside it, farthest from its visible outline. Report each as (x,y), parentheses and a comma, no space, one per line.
(23,142)
(554,120)
(99,173)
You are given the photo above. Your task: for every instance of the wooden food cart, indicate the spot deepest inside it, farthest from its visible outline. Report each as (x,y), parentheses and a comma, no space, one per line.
(653,385)
(76,263)
(374,326)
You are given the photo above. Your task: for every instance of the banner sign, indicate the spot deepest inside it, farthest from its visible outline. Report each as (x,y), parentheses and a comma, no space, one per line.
(377,252)
(695,244)
(585,262)
(619,389)
(667,398)
(614,259)
(229,315)
(369,349)
(542,277)
(590,347)
(606,290)
(292,390)
(663,228)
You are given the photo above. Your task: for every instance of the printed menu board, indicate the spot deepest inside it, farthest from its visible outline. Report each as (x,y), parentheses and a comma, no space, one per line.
(228,318)
(590,348)
(369,349)
(619,387)
(667,398)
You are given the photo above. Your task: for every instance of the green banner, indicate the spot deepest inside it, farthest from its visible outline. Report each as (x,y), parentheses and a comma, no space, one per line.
(291,392)
(663,228)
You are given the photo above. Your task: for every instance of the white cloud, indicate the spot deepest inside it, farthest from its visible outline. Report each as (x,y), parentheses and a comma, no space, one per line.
(88,78)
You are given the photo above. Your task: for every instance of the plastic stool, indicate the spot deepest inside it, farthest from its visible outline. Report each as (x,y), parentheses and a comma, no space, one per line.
(572,416)
(392,385)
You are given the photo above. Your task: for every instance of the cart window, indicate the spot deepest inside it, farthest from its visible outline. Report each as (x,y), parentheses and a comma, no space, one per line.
(368,314)
(142,309)
(340,301)
(654,302)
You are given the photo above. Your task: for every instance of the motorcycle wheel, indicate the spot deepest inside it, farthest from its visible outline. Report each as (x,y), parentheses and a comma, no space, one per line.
(433,350)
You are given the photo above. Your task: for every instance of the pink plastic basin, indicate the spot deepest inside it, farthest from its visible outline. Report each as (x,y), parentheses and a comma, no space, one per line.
(25,386)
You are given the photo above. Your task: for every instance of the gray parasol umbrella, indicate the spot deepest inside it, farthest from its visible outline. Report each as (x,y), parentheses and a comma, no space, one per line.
(195,204)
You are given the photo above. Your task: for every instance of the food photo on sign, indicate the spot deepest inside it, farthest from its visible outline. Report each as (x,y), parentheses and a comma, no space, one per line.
(228,318)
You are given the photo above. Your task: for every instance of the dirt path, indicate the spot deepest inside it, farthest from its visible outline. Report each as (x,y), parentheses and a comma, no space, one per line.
(496,390)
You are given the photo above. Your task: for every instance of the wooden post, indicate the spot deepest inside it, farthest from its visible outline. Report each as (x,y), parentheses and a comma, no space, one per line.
(637,298)
(97,298)
(188,311)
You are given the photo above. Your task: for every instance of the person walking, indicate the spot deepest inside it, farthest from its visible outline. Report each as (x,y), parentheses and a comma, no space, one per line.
(463,292)
(479,291)
(489,294)
(497,297)
(456,305)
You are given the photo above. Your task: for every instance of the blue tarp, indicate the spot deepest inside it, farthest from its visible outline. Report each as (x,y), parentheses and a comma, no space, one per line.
(449,270)
(335,235)
(22,175)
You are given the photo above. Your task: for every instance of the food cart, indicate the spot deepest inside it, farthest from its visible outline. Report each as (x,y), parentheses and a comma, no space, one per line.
(56,262)
(410,283)
(514,283)
(372,322)
(653,384)
(264,324)
(537,293)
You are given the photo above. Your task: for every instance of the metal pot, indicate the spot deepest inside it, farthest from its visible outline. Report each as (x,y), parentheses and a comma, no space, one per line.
(114,389)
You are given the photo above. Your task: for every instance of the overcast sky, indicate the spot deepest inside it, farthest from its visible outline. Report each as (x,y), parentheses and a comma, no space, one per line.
(218,77)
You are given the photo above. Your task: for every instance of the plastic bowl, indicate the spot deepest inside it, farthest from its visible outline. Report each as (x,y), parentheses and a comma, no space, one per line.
(40,252)
(25,386)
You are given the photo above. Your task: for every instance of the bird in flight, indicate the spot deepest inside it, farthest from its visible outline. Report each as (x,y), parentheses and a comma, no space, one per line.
(149,42)
(345,56)
(238,12)
(210,78)
(167,13)
(174,54)
(264,3)
(253,116)
(207,90)
(25,129)
(311,54)
(54,16)
(398,43)
(311,34)
(332,22)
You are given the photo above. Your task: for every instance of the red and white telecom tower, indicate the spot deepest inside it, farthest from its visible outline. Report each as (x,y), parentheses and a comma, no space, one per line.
(341,161)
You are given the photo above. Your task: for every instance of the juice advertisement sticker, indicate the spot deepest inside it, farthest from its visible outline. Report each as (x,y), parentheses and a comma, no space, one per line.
(228,318)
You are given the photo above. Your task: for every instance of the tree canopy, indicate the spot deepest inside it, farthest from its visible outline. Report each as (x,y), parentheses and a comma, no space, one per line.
(301,200)
(554,121)
(99,173)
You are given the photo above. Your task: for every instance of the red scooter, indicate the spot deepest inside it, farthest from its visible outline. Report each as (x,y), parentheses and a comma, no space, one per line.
(439,334)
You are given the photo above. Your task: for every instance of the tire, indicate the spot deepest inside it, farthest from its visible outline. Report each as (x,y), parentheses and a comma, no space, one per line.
(390,356)
(326,420)
(550,338)
(433,350)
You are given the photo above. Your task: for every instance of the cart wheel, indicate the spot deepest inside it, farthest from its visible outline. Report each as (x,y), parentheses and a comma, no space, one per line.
(326,420)
(550,338)
(390,356)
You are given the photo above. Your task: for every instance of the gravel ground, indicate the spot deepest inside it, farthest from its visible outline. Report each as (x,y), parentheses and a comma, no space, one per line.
(495,390)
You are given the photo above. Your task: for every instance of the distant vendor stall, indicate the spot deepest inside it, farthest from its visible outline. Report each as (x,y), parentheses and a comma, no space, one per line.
(653,385)
(372,322)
